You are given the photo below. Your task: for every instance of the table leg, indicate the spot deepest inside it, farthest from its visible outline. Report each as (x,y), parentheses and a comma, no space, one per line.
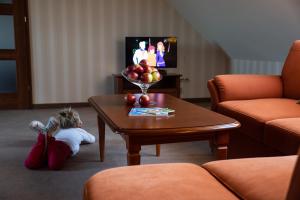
(212,145)
(101,131)
(221,141)
(133,154)
(157,150)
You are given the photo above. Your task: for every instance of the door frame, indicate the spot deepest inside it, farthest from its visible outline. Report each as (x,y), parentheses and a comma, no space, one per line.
(21,54)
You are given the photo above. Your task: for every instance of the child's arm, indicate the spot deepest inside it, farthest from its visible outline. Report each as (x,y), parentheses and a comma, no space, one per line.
(87,137)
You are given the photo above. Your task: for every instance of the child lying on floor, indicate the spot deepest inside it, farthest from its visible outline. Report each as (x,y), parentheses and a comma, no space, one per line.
(54,150)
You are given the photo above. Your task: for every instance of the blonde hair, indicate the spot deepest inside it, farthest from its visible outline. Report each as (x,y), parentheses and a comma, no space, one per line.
(160,46)
(68,118)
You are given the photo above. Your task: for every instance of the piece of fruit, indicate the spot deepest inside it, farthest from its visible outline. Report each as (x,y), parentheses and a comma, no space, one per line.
(143,63)
(144,100)
(130,68)
(147,69)
(130,99)
(133,75)
(146,78)
(156,76)
(154,69)
(139,69)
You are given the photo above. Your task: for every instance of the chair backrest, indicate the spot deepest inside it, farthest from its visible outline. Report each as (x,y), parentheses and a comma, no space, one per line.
(291,72)
(294,189)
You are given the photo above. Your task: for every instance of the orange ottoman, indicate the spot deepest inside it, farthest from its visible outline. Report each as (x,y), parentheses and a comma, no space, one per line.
(275,178)
(255,178)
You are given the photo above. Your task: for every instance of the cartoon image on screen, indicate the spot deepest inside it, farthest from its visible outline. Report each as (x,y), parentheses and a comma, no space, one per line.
(160,52)
(160,61)
(151,56)
(140,53)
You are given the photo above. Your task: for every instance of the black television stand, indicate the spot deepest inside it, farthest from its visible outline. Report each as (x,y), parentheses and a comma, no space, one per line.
(162,72)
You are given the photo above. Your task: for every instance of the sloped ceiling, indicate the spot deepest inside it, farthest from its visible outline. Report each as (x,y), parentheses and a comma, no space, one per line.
(246,29)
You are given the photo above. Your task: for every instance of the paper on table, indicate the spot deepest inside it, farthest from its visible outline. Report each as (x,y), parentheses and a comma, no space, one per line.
(151,111)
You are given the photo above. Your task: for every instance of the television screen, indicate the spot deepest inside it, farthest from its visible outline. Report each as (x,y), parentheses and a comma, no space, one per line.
(158,51)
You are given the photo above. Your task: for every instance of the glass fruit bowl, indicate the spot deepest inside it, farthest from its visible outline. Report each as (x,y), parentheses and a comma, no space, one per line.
(143,83)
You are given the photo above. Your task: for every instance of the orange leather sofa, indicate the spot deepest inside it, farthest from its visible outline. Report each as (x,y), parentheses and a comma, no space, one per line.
(265,105)
(274,178)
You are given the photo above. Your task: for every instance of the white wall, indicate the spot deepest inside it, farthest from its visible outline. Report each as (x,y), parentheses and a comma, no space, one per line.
(77,45)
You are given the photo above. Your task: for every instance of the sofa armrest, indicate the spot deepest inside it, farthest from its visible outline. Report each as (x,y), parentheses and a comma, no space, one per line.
(245,87)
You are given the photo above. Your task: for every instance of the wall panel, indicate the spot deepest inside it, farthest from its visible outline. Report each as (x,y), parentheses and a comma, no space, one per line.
(240,66)
(78,44)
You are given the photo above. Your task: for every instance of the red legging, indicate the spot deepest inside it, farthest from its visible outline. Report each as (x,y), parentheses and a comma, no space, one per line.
(55,155)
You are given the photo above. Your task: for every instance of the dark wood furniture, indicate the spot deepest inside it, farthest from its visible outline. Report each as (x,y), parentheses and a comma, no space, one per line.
(20,54)
(190,123)
(170,84)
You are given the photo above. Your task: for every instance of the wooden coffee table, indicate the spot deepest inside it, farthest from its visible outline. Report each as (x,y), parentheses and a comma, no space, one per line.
(190,123)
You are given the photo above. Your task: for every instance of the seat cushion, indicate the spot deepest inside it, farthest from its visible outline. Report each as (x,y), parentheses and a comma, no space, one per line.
(252,114)
(255,178)
(161,181)
(283,135)
(291,71)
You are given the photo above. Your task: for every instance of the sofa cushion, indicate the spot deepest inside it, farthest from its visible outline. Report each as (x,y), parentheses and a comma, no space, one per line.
(291,71)
(283,135)
(161,181)
(255,178)
(252,114)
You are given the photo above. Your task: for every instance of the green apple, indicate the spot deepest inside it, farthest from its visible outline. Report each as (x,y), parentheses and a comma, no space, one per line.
(146,78)
(156,76)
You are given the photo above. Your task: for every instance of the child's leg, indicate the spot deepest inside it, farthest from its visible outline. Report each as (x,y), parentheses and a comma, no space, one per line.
(58,152)
(37,155)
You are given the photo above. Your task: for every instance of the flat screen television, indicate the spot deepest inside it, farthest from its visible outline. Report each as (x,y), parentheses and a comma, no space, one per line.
(158,51)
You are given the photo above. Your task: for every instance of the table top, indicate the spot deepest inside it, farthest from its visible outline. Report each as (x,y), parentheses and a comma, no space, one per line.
(188,117)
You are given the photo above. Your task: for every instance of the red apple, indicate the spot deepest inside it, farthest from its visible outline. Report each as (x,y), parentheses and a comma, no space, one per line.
(156,76)
(144,100)
(130,68)
(139,69)
(133,75)
(146,78)
(143,63)
(130,99)
(147,69)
